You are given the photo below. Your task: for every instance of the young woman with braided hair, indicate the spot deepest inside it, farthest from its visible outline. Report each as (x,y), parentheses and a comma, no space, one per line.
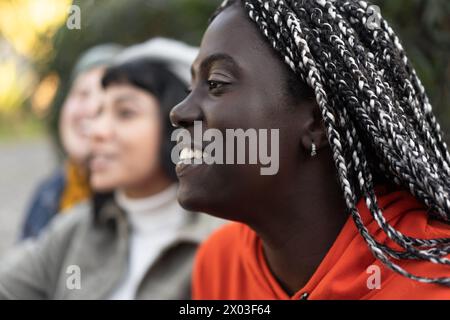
(361,204)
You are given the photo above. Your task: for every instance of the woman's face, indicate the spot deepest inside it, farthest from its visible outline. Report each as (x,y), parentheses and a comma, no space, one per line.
(238,82)
(126,138)
(78,110)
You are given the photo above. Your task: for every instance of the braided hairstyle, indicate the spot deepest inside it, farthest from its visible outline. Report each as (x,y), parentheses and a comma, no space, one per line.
(378,118)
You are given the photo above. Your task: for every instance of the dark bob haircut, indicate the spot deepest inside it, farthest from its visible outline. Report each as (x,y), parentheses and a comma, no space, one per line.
(155,78)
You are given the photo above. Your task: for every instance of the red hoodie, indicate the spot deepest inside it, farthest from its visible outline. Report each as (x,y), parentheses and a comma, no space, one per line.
(231,263)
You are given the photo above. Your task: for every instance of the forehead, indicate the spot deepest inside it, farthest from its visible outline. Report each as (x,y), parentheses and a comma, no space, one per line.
(123,92)
(93,75)
(234,34)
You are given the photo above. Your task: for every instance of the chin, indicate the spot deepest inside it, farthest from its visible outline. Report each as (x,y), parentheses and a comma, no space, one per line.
(102,186)
(79,151)
(190,199)
(206,201)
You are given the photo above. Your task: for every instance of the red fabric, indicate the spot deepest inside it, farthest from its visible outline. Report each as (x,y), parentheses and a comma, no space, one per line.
(231,263)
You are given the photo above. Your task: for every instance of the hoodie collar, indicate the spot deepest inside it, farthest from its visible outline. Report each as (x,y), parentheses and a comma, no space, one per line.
(343,272)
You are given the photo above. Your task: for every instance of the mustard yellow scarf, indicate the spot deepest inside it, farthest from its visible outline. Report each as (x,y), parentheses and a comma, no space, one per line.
(76,188)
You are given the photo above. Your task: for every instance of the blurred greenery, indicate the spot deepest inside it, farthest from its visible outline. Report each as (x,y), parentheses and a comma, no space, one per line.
(20,126)
(422,25)
(26,30)
(123,22)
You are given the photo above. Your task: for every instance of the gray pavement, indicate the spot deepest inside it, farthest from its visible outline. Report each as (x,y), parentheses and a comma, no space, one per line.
(23,165)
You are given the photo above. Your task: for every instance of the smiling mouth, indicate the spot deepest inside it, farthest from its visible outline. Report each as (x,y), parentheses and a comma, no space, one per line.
(100,161)
(190,159)
(188,154)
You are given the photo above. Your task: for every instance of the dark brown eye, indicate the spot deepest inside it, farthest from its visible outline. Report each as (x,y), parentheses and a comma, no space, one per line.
(125,114)
(213,85)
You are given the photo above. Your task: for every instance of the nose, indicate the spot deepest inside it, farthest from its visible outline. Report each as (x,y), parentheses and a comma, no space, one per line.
(185,113)
(102,128)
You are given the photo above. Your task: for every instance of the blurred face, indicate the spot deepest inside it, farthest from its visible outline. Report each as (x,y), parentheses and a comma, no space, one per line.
(126,138)
(78,110)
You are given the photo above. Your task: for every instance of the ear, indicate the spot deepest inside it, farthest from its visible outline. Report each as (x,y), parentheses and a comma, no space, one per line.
(313,130)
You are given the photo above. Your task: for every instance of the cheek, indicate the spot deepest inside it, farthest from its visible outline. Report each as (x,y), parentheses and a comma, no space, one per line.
(244,108)
(73,108)
(67,115)
(69,125)
(92,104)
(75,143)
(141,146)
(137,144)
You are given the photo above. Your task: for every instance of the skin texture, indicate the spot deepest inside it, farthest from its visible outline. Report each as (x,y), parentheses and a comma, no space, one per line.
(77,113)
(298,212)
(126,138)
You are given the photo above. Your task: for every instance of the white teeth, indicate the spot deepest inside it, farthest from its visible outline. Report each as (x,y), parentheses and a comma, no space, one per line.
(189,154)
(197,154)
(184,155)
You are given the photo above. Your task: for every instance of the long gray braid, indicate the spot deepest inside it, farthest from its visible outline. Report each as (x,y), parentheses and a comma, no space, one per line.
(372,102)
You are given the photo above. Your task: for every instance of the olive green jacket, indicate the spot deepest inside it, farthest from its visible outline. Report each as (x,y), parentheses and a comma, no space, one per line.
(84,256)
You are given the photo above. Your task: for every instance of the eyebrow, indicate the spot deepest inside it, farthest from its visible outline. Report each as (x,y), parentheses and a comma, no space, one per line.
(124,98)
(215,58)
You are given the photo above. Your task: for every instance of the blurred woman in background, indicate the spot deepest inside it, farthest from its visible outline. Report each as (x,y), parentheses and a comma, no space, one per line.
(133,241)
(69,185)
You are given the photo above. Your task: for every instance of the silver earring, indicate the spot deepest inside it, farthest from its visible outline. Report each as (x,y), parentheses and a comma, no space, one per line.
(313,149)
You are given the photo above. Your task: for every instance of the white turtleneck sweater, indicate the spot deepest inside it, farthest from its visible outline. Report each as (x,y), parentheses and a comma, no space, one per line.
(154,222)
